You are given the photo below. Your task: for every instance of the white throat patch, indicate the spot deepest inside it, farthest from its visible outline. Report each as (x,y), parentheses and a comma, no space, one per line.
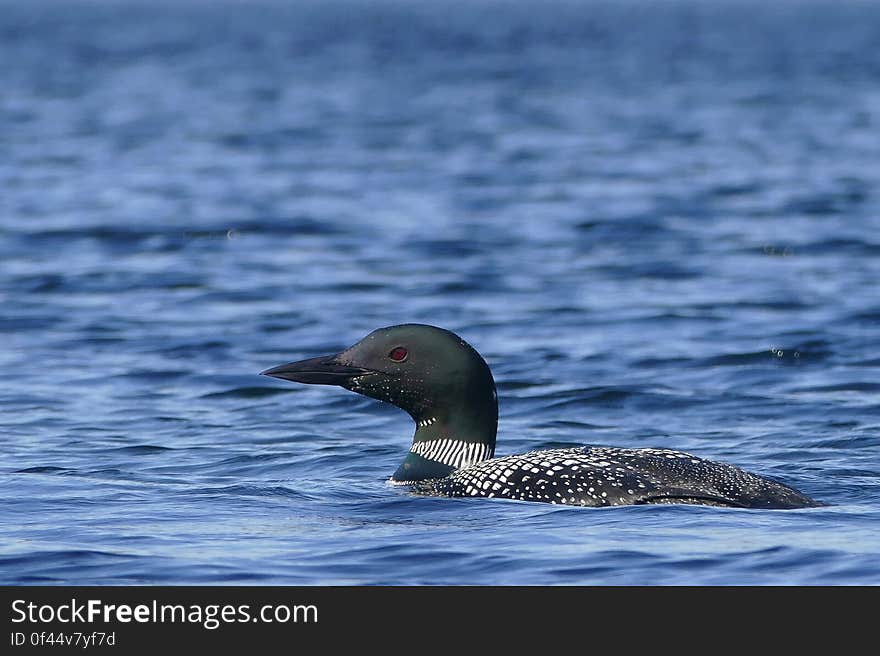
(455,453)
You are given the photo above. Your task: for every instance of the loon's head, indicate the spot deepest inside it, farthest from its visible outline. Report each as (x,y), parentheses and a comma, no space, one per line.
(429,372)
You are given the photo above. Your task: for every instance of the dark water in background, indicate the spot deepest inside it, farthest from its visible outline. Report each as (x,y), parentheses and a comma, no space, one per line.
(659,223)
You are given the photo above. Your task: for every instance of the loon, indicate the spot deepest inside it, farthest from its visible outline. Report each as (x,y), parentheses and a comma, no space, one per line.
(448,390)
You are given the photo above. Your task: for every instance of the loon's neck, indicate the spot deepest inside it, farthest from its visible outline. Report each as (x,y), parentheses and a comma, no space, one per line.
(443,443)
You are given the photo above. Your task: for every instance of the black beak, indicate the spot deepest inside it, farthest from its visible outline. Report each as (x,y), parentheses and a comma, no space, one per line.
(326,370)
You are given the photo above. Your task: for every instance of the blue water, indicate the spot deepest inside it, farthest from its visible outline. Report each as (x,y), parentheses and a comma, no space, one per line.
(658,222)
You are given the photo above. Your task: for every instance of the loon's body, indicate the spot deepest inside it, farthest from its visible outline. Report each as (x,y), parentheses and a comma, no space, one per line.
(611,476)
(448,390)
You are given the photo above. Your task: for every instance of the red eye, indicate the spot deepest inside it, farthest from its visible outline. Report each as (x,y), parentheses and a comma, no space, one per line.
(398,354)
